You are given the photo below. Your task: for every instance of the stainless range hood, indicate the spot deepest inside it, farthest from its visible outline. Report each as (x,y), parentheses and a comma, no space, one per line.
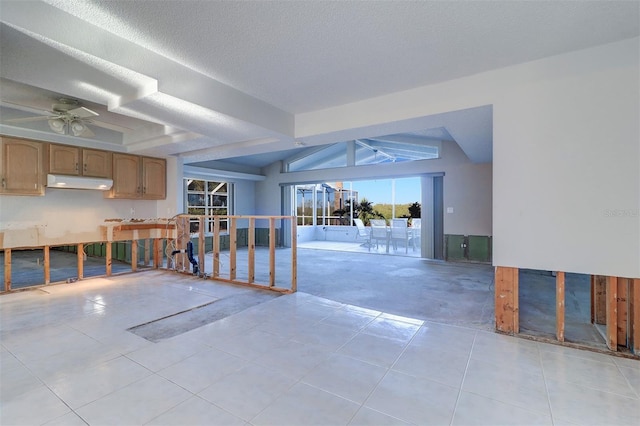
(78,182)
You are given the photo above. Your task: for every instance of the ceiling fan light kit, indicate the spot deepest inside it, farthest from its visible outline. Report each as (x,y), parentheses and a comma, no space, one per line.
(58,125)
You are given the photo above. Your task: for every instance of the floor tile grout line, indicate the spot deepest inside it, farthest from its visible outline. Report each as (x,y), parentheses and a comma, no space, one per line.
(464,376)
(546,384)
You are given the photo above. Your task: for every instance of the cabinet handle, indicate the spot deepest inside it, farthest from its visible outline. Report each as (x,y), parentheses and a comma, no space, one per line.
(144,190)
(85,167)
(4,183)
(76,167)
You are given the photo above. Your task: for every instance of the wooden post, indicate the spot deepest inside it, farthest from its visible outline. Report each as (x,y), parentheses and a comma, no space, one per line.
(7,269)
(147,252)
(600,299)
(232,248)
(134,255)
(47,265)
(560,295)
(80,250)
(506,299)
(216,246)
(612,314)
(252,250)
(108,257)
(157,253)
(294,256)
(622,312)
(635,316)
(182,238)
(272,252)
(201,245)
(592,281)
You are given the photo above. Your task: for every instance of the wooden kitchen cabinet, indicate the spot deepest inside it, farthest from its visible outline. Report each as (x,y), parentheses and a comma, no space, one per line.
(72,160)
(21,168)
(136,177)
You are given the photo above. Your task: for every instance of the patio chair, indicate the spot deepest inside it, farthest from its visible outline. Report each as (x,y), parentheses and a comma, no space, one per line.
(400,232)
(379,231)
(363,232)
(416,232)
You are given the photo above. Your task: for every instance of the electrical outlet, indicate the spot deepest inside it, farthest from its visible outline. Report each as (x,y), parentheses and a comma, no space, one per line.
(133,211)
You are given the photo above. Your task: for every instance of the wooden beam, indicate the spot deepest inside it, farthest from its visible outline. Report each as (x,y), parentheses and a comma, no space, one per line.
(252,250)
(7,269)
(560,296)
(600,299)
(506,299)
(612,314)
(182,238)
(134,255)
(157,253)
(233,243)
(635,317)
(108,256)
(272,252)
(294,255)
(201,245)
(80,249)
(216,246)
(47,265)
(622,312)
(140,226)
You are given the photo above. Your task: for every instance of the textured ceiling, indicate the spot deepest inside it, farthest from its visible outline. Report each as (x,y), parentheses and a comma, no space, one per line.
(210,80)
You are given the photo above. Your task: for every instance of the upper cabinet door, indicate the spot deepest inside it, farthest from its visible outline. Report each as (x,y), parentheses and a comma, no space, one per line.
(126,181)
(154,178)
(21,167)
(96,163)
(64,160)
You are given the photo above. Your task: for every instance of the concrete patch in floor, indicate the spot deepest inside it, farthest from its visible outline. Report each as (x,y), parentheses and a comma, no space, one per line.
(181,322)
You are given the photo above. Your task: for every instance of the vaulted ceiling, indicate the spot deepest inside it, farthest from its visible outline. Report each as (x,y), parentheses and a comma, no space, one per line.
(210,80)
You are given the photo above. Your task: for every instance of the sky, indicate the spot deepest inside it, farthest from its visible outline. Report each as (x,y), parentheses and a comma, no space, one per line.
(379,191)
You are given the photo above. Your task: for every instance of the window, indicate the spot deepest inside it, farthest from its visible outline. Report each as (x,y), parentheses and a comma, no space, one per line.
(209,198)
(332,204)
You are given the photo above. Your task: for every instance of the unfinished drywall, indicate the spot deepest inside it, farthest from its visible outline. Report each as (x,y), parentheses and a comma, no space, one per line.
(566,155)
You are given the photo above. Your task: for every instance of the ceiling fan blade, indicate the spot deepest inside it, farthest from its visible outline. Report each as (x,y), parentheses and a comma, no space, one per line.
(28,119)
(82,112)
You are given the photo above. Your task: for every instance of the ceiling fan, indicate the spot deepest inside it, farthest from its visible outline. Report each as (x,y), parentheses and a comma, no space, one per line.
(67,117)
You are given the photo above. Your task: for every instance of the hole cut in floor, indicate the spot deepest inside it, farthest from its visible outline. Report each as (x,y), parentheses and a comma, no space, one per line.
(181,322)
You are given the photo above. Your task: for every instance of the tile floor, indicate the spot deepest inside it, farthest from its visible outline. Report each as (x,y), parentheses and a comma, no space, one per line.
(67,359)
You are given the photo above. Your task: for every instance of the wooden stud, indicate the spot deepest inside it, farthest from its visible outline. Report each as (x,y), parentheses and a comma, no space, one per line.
(233,237)
(612,314)
(635,316)
(47,265)
(157,253)
(622,312)
(216,246)
(108,256)
(7,269)
(592,292)
(80,249)
(272,252)
(506,299)
(182,238)
(134,255)
(600,301)
(294,256)
(201,245)
(147,252)
(560,295)
(252,250)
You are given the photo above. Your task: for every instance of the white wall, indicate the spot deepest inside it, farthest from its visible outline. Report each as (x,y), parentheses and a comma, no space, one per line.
(566,155)
(467,186)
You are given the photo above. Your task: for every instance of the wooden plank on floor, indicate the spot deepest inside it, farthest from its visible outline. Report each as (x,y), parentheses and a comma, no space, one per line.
(635,317)
(80,250)
(560,300)
(506,299)
(622,311)
(47,265)
(612,314)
